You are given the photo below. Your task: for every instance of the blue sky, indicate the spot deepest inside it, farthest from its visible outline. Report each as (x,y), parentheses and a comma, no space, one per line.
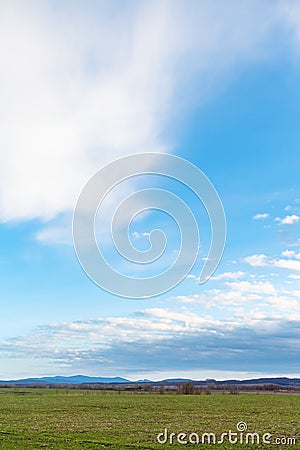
(84,83)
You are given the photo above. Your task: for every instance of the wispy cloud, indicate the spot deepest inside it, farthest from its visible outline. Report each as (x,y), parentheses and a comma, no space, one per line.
(137,235)
(65,113)
(229,275)
(261,216)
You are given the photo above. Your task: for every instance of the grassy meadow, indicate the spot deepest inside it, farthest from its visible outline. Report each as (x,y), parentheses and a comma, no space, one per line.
(79,419)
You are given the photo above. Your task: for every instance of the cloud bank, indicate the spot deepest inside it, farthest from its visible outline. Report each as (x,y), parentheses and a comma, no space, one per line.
(161,339)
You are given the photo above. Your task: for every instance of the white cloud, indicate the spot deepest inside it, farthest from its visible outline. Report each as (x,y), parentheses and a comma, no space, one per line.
(149,325)
(228,275)
(290,254)
(264,261)
(255,294)
(261,216)
(244,296)
(221,276)
(286,264)
(257,260)
(259,287)
(288,220)
(196,298)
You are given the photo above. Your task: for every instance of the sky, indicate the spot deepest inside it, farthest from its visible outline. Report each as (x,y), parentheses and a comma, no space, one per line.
(83,84)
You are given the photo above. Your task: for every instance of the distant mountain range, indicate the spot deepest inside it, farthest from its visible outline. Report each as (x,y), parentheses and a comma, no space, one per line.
(280,381)
(80,379)
(75,379)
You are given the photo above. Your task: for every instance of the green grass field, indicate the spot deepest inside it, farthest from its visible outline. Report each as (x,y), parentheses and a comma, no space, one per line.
(75,419)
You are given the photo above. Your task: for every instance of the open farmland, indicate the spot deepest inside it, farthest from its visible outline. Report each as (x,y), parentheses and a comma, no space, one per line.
(62,419)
